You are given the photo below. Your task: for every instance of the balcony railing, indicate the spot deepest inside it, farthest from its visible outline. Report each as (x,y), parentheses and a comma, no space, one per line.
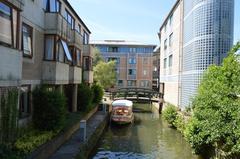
(88,76)
(10,66)
(88,50)
(55,72)
(75,74)
(76,38)
(55,23)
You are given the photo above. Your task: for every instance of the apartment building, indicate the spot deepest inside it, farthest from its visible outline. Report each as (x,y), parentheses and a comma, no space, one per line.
(194,35)
(133,61)
(43,42)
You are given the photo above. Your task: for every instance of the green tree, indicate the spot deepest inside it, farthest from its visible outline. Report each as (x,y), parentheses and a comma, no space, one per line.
(97,93)
(216,119)
(96,57)
(49,109)
(105,74)
(85,98)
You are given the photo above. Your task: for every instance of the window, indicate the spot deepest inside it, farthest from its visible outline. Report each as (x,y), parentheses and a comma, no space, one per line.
(133,50)
(131,71)
(8,25)
(51,5)
(165,44)
(117,60)
(24,106)
(145,83)
(170,39)
(144,72)
(165,27)
(79,28)
(87,63)
(49,48)
(165,63)
(70,19)
(132,60)
(85,38)
(78,57)
(170,19)
(27,40)
(131,83)
(120,82)
(60,52)
(113,49)
(170,61)
(66,50)
(117,71)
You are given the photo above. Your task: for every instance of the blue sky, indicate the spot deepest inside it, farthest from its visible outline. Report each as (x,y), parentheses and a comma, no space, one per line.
(137,20)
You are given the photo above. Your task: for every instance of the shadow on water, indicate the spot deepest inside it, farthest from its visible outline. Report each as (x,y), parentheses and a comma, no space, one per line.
(149,137)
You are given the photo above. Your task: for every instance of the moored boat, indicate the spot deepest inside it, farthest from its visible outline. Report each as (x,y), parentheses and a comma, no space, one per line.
(122,112)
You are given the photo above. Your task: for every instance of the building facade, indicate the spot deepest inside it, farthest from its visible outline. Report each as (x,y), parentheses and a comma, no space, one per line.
(133,61)
(43,42)
(203,35)
(156,70)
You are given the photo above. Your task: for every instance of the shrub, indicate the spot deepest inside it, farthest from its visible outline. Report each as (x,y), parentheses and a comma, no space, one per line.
(32,140)
(97,93)
(179,123)
(216,109)
(7,152)
(49,111)
(170,114)
(85,97)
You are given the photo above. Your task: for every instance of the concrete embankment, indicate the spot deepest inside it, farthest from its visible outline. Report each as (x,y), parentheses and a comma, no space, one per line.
(75,147)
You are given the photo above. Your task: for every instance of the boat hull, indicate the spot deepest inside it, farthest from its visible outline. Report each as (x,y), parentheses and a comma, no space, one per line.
(121,120)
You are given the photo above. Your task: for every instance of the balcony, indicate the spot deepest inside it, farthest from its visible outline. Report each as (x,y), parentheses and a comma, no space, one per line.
(88,50)
(55,72)
(56,24)
(75,74)
(88,76)
(76,38)
(10,66)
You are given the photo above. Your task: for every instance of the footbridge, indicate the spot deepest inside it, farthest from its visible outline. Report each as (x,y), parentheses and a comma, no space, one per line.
(138,94)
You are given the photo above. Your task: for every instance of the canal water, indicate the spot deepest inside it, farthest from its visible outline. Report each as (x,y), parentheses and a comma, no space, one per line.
(149,137)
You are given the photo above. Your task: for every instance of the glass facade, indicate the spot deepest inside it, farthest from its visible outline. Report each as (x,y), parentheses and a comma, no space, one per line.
(207,37)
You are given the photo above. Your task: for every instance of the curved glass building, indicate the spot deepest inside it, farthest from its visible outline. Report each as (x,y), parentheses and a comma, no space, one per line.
(195,34)
(207,37)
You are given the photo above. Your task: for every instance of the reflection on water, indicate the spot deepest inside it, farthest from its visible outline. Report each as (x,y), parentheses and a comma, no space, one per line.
(148,138)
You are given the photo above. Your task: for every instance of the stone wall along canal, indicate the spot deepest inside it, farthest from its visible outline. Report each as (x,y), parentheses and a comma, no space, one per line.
(148,138)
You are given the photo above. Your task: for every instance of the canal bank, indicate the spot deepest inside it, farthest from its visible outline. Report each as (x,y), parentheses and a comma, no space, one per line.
(75,147)
(148,138)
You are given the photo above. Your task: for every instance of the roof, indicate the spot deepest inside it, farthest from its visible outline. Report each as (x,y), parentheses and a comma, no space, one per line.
(75,13)
(126,103)
(169,14)
(120,42)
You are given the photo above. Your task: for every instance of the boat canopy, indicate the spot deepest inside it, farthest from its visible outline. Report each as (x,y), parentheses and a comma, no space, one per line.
(125,103)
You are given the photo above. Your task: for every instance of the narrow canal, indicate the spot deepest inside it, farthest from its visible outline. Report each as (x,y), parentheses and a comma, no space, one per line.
(148,138)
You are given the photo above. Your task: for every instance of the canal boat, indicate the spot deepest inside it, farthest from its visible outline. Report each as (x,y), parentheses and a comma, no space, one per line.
(122,112)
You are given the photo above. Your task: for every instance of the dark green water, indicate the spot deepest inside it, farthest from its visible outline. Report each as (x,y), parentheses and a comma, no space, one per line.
(148,138)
